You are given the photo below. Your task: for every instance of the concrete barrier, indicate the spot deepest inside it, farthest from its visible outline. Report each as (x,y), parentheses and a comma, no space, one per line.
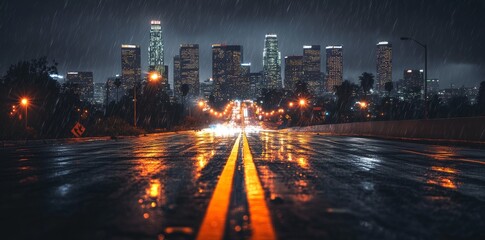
(455,129)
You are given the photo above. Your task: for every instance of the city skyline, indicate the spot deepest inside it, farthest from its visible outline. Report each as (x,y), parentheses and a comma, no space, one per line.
(454,45)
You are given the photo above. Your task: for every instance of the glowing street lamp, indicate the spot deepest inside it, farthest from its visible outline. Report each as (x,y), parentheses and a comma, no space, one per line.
(154,77)
(25,103)
(302,102)
(201,104)
(291,104)
(362,104)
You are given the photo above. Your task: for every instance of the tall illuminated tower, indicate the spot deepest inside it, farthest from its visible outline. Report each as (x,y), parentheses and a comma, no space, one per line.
(155,49)
(272,62)
(311,68)
(226,71)
(335,67)
(293,71)
(383,64)
(189,67)
(130,65)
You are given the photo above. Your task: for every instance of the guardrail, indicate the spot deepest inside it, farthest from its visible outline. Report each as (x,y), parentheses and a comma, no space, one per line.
(455,129)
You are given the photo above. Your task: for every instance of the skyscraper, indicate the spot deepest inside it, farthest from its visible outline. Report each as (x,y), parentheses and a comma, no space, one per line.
(383,64)
(272,62)
(293,71)
(226,68)
(176,76)
(82,84)
(155,49)
(255,84)
(189,67)
(244,83)
(312,63)
(413,80)
(206,88)
(130,65)
(99,92)
(433,85)
(335,67)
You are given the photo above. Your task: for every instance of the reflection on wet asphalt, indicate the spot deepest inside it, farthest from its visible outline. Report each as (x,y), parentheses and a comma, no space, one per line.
(132,188)
(316,187)
(357,188)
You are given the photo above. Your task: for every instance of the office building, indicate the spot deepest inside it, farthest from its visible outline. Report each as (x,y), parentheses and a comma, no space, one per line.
(99,91)
(413,80)
(335,67)
(156,48)
(244,83)
(433,86)
(226,68)
(255,84)
(311,68)
(272,62)
(383,65)
(189,68)
(206,88)
(130,66)
(177,83)
(82,84)
(293,71)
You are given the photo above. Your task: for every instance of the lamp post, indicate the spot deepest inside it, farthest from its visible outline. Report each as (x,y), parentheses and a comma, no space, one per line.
(25,103)
(134,104)
(425,72)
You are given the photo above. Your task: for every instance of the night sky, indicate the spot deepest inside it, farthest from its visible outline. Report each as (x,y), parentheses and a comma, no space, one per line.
(86,35)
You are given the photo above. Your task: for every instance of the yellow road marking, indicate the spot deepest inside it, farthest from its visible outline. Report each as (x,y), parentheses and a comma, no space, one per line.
(214,222)
(262,227)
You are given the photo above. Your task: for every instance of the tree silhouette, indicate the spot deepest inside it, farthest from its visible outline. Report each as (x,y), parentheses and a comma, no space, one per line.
(366,82)
(30,79)
(344,94)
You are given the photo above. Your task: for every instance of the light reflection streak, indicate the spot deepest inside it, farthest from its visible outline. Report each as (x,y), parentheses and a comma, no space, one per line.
(443,176)
(281,147)
(149,153)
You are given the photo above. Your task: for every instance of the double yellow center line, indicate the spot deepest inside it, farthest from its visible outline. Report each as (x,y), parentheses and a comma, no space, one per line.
(214,223)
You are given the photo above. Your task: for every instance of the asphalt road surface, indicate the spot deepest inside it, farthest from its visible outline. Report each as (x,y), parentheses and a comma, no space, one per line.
(268,185)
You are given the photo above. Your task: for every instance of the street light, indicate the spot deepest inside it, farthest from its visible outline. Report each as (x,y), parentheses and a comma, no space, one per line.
(425,72)
(302,102)
(25,103)
(154,77)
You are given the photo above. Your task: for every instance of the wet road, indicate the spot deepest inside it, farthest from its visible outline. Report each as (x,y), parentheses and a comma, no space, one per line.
(269,185)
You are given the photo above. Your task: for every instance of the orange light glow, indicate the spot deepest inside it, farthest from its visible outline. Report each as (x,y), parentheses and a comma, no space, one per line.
(154,188)
(363,104)
(290,104)
(302,102)
(24,101)
(201,103)
(154,76)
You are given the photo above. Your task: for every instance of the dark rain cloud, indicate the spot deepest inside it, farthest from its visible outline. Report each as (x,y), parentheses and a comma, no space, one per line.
(86,35)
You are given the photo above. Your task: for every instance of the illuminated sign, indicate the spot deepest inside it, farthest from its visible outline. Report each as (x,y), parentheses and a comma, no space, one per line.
(334,47)
(129,46)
